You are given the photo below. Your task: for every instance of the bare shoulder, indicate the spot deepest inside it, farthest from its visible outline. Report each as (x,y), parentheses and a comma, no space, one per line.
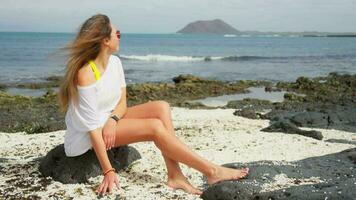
(85,76)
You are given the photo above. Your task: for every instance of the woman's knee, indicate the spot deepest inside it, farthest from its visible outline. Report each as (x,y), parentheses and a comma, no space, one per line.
(156,128)
(163,107)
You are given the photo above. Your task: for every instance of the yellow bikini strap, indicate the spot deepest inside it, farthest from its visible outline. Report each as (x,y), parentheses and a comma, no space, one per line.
(95,70)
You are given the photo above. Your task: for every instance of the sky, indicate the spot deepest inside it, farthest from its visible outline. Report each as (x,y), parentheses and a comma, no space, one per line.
(169,16)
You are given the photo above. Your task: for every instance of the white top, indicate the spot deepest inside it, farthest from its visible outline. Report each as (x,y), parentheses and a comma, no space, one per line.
(95,103)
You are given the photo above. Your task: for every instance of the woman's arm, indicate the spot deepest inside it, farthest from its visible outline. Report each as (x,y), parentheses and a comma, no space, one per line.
(86,77)
(109,128)
(121,107)
(100,150)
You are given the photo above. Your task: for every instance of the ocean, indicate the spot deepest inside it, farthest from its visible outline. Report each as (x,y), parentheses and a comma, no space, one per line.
(31,57)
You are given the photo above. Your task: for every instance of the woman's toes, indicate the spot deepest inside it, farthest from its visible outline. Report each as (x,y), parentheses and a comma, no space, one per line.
(192,190)
(184,185)
(245,170)
(241,174)
(199,192)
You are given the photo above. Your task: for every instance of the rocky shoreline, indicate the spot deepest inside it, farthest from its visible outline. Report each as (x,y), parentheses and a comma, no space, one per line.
(327,102)
(323,102)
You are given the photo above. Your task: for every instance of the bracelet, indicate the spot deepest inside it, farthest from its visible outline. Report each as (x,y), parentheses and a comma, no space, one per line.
(115,117)
(109,170)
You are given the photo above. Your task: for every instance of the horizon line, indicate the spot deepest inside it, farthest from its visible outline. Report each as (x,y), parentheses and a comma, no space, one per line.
(347,32)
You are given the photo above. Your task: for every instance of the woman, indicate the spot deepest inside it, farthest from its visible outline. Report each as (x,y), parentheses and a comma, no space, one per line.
(93,96)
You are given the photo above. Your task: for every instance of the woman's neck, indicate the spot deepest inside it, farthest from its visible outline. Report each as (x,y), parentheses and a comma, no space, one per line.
(102,59)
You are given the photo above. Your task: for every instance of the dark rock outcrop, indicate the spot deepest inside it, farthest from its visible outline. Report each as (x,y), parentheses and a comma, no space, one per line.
(316,115)
(322,102)
(341,141)
(336,172)
(286,126)
(333,89)
(189,78)
(216,26)
(321,116)
(311,119)
(3,87)
(250,103)
(30,114)
(248,113)
(80,168)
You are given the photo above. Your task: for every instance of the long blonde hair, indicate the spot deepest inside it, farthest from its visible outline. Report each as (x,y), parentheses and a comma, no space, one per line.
(86,46)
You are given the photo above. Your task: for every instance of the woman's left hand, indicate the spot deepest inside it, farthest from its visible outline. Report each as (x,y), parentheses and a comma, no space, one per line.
(109,133)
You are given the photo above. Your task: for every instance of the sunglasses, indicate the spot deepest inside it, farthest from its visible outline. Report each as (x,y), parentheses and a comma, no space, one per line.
(118,35)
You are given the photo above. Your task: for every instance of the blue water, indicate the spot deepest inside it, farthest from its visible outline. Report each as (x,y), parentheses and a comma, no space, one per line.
(31,57)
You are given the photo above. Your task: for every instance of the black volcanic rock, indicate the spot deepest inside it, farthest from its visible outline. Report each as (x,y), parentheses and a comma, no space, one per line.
(336,174)
(80,168)
(216,26)
(286,126)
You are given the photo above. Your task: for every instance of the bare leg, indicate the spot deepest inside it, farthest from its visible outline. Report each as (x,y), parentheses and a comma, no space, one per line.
(176,150)
(176,178)
(152,129)
(136,130)
(161,110)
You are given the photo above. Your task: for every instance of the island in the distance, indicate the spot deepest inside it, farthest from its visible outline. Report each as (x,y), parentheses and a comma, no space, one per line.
(218,26)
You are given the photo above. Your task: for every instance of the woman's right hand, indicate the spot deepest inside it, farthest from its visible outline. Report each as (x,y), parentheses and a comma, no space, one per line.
(109,133)
(109,181)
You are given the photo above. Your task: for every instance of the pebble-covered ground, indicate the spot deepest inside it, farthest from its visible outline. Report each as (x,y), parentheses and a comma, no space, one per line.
(217,135)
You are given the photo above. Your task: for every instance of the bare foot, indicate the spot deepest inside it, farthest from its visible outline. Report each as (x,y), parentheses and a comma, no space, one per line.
(181,182)
(224,174)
